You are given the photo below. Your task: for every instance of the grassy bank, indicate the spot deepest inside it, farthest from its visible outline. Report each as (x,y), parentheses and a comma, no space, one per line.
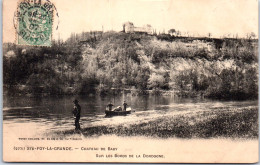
(227,122)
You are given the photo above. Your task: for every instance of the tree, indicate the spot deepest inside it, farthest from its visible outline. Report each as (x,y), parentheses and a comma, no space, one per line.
(178,33)
(209,35)
(172,31)
(155,81)
(251,35)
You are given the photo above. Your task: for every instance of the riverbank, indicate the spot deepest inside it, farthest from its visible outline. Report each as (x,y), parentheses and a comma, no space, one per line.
(219,122)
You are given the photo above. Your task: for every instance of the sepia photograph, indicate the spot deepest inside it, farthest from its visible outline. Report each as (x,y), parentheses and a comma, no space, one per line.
(130,81)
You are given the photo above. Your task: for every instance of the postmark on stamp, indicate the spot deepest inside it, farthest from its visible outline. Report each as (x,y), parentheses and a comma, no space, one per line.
(34,23)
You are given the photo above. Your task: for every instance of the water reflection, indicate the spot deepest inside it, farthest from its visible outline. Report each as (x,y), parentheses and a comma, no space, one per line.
(55,113)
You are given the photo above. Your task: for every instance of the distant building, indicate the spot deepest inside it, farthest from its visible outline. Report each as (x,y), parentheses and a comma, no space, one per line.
(129,27)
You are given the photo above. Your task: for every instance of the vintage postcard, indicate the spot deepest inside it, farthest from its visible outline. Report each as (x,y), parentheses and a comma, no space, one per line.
(130,81)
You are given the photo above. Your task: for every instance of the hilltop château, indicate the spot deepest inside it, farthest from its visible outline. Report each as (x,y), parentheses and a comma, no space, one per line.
(129,27)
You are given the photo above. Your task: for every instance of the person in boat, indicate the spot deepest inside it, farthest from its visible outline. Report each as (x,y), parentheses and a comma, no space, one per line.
(110,106)
(124,105)
(76,113)
(118,109)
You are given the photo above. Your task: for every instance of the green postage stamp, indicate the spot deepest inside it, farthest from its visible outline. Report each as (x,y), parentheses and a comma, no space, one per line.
(34,24)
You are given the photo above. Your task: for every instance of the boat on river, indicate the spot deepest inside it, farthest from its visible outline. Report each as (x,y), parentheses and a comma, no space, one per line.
(118,111)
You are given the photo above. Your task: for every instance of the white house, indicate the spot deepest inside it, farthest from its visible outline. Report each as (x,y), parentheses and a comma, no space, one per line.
(129,27)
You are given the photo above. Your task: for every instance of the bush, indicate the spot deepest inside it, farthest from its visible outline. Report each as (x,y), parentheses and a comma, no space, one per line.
(94,62)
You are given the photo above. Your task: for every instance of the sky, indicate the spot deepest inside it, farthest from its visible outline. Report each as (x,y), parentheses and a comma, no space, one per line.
(198,17)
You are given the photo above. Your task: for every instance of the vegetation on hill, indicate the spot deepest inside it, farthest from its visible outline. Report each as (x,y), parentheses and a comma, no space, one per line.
(96,63)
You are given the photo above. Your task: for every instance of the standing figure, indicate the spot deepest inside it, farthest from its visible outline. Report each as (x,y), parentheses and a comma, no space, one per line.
(110,106)
(76,113)
(124,106)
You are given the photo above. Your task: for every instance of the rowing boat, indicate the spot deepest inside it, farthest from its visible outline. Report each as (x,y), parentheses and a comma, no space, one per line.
(118,112)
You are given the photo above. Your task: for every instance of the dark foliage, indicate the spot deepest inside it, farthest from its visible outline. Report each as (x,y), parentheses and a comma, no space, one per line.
(97,62)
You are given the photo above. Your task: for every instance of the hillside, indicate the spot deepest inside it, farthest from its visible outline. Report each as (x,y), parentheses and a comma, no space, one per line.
(96,63)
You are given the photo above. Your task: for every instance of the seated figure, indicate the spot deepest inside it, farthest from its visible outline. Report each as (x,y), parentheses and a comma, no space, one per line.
(118,108)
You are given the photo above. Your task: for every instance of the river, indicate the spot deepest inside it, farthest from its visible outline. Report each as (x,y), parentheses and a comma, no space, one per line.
(44,115)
